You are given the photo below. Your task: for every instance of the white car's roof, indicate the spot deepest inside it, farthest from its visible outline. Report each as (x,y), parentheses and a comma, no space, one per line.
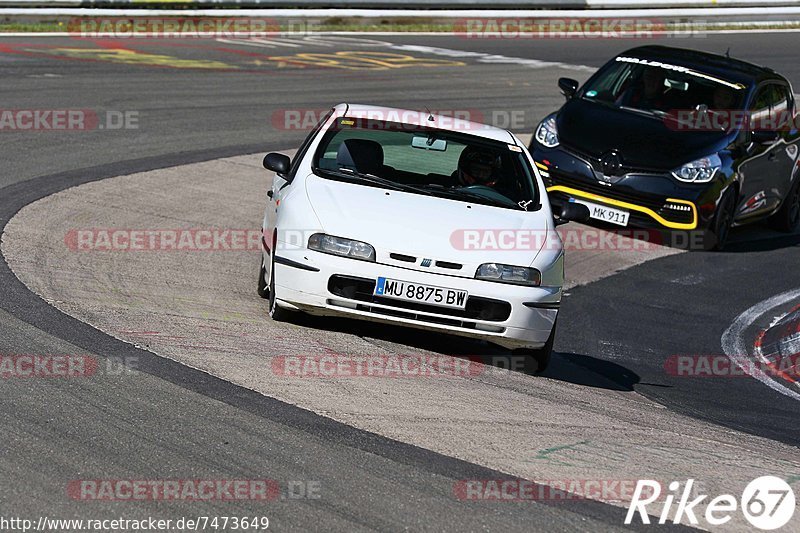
(457,120)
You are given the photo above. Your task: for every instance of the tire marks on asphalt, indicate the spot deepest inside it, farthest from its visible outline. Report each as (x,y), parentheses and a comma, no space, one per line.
(736,347)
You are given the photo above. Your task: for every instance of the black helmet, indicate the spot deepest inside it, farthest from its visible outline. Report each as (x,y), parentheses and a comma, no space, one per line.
(477,166)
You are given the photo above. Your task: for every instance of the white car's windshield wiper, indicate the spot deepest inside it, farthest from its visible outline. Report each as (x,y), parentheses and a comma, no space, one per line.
(428,190)
(473,195)
(377,180)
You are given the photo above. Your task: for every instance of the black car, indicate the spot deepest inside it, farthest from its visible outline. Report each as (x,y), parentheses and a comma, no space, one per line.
(675,139)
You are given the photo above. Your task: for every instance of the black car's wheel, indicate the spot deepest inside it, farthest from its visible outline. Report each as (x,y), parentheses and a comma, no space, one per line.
(788,217)
(278,314)
(717,236)
(262,289)
(537,360)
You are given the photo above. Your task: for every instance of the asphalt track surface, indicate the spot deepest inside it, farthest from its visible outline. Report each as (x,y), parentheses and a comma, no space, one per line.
(170,420)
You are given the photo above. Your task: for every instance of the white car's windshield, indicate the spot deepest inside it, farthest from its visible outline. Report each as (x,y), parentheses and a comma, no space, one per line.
(427,161)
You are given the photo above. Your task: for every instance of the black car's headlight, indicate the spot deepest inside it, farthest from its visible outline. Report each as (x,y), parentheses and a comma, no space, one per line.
(329,244)
(700,170)
(547,133)
(514,275)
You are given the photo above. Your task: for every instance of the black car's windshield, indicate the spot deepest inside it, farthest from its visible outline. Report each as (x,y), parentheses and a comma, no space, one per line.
(427,161)
(658,88)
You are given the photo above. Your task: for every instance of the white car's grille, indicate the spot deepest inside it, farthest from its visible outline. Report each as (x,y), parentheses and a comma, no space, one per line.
(426,262)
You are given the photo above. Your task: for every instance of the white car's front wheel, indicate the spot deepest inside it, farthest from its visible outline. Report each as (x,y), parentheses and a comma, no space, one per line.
(538,359)
(275,312)
(262,289)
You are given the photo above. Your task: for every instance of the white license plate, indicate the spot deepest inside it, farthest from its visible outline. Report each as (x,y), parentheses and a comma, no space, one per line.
(606,214)
(417,292)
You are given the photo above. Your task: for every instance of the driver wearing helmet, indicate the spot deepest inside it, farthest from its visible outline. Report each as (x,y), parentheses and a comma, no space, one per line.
(476,167)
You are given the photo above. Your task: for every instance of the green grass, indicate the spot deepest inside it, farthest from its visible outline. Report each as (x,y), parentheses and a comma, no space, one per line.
(30,27)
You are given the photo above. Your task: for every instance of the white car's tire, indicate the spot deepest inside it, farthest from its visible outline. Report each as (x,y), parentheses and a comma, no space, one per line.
(262,289)
(277,313)
(538,359)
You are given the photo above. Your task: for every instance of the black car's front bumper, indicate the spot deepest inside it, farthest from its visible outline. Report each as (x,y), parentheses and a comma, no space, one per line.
(653,199)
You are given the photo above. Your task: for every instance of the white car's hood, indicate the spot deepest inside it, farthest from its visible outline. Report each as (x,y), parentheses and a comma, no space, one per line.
(427,226)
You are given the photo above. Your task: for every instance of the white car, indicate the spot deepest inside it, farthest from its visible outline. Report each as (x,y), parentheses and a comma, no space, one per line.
(417,220)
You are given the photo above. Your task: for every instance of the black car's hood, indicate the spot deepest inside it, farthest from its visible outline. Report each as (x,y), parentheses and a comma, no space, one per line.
(643,141)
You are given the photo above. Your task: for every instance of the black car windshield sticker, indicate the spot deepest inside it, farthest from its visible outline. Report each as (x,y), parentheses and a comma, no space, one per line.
(678,68)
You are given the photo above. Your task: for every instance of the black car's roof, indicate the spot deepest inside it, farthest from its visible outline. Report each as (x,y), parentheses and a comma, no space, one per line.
(734,70)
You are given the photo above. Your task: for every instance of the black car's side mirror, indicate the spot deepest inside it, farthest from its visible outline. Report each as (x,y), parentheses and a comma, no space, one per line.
(568,87)
(573,212)
(277,163)
(764,137)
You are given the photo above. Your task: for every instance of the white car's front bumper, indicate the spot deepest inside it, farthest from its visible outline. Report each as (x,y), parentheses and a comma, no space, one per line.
(302,282)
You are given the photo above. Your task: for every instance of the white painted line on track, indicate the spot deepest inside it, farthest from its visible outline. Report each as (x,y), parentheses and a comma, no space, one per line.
(263,43)
(483,57)
(736,349)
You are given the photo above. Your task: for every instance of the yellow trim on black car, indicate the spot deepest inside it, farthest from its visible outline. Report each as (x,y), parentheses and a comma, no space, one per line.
(661,220)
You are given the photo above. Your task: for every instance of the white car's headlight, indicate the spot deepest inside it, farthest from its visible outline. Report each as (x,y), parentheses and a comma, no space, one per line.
(546,133)
(509,274)
(344,247)
(699,171)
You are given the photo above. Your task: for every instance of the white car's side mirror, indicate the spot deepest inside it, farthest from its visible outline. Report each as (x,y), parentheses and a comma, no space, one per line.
(278,163)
